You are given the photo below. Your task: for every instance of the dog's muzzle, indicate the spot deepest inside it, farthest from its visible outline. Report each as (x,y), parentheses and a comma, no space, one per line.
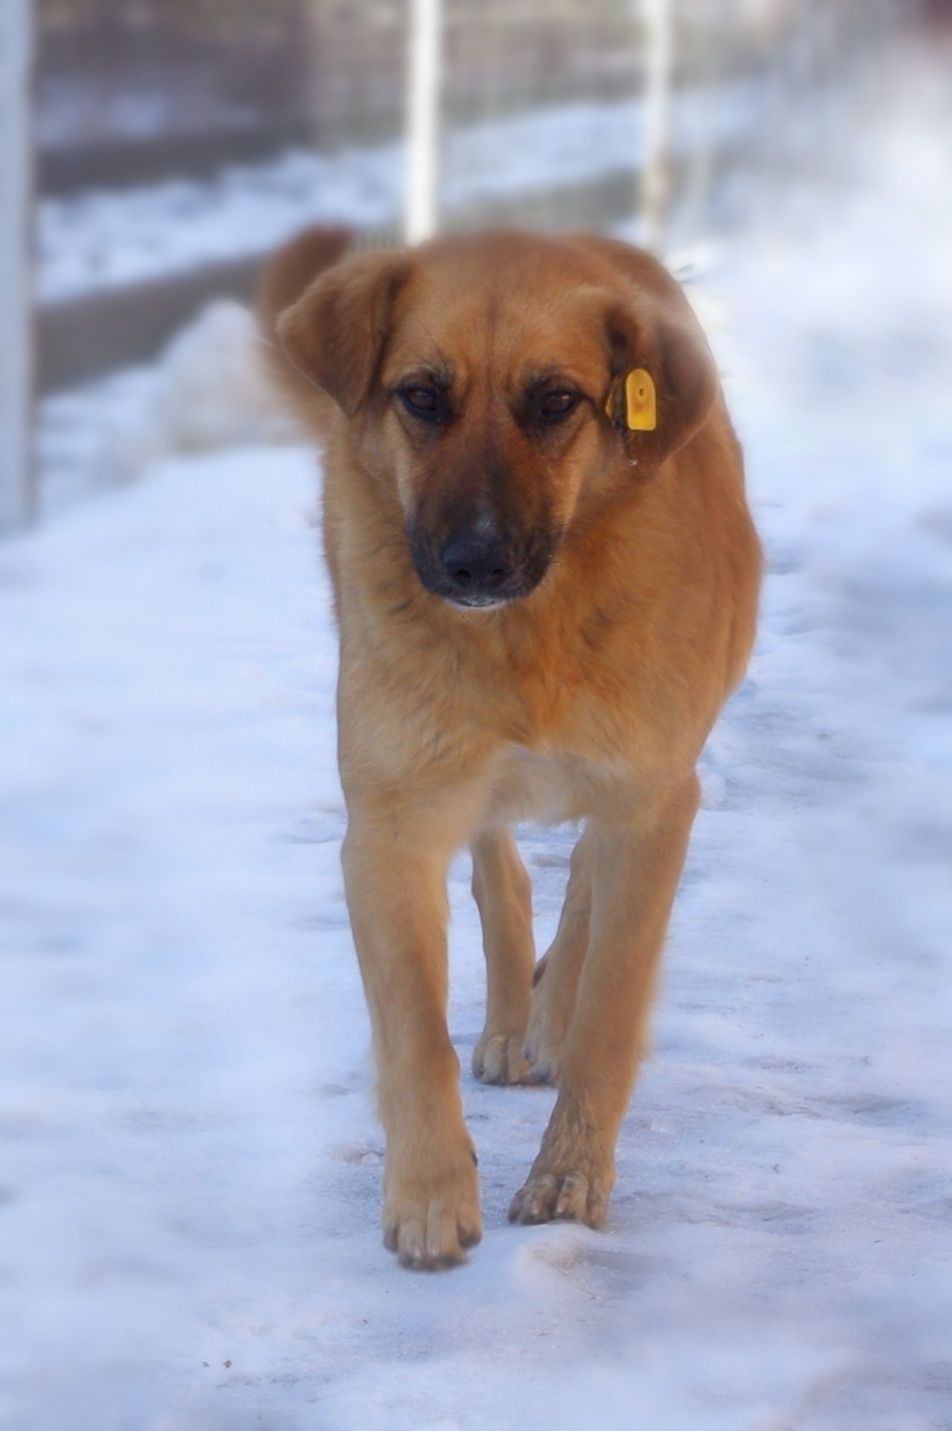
(479,569)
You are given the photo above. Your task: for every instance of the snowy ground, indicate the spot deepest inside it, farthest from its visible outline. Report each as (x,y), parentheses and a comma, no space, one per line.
(190,1165)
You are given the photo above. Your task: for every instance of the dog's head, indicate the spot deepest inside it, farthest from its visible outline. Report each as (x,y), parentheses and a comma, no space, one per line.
(482,377)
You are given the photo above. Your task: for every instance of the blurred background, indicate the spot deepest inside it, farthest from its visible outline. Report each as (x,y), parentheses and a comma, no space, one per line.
(155,150)
(189,1158)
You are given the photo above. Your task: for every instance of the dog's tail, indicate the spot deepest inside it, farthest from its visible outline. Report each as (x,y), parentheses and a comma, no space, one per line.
(284,278)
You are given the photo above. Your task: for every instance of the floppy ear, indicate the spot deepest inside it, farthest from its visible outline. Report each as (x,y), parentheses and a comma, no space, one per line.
(666,341)
(335,331)
(293,266)
(651,325)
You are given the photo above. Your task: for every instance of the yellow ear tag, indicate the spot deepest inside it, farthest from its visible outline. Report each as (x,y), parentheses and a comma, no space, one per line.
(641,406)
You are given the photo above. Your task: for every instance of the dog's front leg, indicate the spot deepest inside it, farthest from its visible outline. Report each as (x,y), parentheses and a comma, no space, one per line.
(636,863)
(396,893)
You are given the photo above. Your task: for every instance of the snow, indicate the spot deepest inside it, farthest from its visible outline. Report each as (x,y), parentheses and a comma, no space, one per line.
(207,390)
(191,1165)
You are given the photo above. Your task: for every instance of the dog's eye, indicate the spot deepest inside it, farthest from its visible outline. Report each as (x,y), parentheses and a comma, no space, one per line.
(556,405)
(422,402)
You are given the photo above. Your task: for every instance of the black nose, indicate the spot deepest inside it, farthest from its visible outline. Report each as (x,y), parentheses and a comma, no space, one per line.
(476,565)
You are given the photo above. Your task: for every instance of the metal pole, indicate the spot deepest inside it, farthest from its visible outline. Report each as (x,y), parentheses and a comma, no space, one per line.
(701,161)
(16,193)
(423,113)
(659,54)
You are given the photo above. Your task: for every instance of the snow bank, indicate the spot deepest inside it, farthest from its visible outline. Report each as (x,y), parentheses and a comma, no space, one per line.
(208,391)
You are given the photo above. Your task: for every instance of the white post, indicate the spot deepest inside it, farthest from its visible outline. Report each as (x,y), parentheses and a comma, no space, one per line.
(423,110)
(656,179)
(700,169)
(16,366)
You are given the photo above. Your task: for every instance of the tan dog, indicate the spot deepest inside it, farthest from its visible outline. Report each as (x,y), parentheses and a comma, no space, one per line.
(546,580)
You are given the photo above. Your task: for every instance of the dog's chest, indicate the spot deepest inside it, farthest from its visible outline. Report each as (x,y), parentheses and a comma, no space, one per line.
(546,787)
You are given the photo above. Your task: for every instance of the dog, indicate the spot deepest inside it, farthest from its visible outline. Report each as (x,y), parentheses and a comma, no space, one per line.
(546,580)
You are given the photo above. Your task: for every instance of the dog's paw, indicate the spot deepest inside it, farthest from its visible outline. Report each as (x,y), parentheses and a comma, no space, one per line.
(572,1196)
(543,1064)
(543,1042)
(499,1058)
(430,1220)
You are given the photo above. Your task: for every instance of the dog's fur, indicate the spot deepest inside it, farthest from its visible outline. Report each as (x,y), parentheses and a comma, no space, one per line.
(629,569)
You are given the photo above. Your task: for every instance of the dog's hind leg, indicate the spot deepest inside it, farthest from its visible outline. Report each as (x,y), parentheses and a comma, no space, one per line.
(636,863)
(503,893)
(557,974)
